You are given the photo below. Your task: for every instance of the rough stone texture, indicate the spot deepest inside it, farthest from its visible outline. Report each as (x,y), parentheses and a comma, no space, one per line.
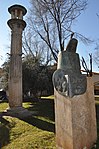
(75,120)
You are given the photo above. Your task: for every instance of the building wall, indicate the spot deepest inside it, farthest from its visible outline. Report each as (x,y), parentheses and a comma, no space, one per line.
(96,83)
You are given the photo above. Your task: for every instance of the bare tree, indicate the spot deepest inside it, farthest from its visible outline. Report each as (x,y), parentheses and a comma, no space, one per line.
(96,51)
(96,54)
(34,48)
(85,66)
(52,21)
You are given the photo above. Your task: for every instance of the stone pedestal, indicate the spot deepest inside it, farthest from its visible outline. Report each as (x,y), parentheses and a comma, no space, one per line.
(19,112)
(75,120)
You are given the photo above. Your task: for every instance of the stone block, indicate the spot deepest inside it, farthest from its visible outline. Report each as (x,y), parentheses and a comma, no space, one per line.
(75,119)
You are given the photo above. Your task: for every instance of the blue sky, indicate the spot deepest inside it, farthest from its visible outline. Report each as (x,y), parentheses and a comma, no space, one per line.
(87,24)
(4,29)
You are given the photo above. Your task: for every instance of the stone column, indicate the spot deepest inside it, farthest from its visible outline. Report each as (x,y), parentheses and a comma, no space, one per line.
(17,25)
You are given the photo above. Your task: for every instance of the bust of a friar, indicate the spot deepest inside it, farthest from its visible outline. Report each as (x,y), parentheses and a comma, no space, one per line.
(67,79)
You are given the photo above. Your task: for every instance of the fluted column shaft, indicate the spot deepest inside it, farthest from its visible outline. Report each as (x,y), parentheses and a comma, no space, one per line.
(15,74)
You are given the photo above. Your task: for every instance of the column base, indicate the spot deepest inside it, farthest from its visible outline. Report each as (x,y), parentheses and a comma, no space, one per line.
(19,112)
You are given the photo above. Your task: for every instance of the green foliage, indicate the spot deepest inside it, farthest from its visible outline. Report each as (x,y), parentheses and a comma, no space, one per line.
(36,77)
(5,67)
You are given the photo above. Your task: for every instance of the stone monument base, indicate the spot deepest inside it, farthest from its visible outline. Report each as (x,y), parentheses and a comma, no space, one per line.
(75,120)
(19,112)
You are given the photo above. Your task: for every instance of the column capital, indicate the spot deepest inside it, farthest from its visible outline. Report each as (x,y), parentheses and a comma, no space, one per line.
(16,23)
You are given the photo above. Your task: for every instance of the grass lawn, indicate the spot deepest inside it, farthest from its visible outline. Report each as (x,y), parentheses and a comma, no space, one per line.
(35,132)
